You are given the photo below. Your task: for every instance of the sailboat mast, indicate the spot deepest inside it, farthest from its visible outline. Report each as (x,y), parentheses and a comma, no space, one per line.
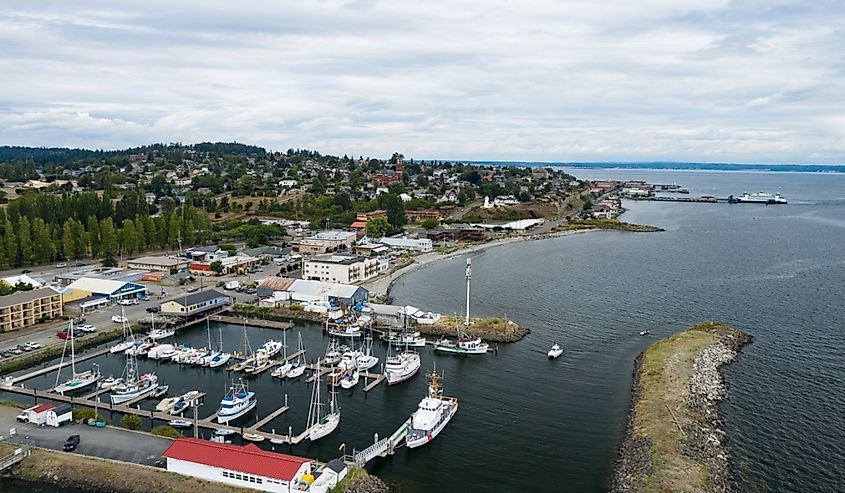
(469,276)
(72,352)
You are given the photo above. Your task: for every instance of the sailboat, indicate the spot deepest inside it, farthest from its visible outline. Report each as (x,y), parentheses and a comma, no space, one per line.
(156,334)
(366,360)
(298,366)
(282,371)
(128,338)
(319,424)
(248,357)
(221,358)
(237,402)
(133,386)
(77,381)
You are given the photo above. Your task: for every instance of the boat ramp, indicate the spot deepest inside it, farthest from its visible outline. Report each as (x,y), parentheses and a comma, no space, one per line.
(383,447)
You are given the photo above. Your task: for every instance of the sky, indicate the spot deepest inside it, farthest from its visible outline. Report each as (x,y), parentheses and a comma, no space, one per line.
(646,80)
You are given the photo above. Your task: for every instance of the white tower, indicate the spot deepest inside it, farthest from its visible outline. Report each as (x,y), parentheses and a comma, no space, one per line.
(469,276)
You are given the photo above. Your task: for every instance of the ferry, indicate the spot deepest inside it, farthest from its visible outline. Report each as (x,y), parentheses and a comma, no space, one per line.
(432,415)
(761,198)
(237,402)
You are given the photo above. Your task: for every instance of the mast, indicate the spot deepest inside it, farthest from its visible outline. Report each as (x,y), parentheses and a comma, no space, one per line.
(469,276)
(72,353)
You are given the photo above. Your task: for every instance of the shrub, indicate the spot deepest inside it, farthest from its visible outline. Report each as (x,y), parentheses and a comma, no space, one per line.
(166,431)
(131,422)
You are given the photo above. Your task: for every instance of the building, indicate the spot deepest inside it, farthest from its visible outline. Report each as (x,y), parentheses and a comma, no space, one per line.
(326,242)
(38,415)
(505,200)
(246,467)
(267,251)
(195,303)
(102,288)
(236,264)
(455,232)
(24,279)
(412,244)
(385,178)
(59,415)
(421,215)
(26,308)
(272,285)
(344,269)
(330,475)
(366,216)
(160,264)
(206,254)
(108,273)
(304,291)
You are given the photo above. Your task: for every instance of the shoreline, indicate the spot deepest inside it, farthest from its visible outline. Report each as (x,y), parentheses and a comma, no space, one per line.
(673,438)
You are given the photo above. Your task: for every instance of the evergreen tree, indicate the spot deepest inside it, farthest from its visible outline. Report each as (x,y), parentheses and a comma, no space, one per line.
(10,240)
(94,235)
(25,241)
(108,240)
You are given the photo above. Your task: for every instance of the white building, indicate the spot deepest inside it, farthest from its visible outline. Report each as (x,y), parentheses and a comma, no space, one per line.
(159,264)
(344,269)
(59,415)
(405,197)
(245,467)
(416,245)
(503,200)
(38,415)
(287,183)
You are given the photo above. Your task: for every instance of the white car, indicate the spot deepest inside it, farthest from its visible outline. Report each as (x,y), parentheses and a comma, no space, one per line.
(33,345)
(87,328)
(119,319)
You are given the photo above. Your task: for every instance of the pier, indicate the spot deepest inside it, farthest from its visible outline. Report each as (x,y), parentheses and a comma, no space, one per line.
(252,322)
(57,366)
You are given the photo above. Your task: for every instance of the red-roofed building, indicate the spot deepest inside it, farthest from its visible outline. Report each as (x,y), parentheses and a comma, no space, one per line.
(247,467)
(38,415)
(358,225)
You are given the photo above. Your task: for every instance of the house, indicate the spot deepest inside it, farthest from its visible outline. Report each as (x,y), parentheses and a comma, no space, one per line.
(150,198)
(505,200)
(195,303)
(26,308)
(206,254)
(412,244)
(345,269)
(109,289)
(451,196)
(59,415)
(287,183)
(24,279)
(38,415)
(160,263)
(326,241)
(245,467)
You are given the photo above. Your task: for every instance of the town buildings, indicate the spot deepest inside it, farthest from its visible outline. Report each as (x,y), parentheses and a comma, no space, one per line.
(26,308)
(160,264)
(326,242)
(344,269)
(204,301)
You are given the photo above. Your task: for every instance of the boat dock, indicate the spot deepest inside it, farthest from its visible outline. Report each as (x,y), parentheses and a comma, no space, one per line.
(270,417)
(253,322)
(49,369)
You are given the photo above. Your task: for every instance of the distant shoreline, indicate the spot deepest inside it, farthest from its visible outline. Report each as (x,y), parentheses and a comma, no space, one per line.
(677,166)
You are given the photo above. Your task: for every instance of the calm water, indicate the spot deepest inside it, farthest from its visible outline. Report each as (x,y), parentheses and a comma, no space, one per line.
(529,424)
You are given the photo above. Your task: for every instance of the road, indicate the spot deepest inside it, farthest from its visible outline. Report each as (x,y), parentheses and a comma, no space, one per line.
(45,334)
(108,443)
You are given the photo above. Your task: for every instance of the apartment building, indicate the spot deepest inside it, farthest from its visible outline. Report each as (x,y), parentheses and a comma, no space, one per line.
(27,308)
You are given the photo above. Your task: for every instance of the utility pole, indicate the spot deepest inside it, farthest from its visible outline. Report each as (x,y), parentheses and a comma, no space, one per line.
(469,276)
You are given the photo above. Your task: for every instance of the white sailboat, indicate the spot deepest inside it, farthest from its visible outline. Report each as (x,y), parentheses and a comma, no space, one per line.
(366,360)
(133,386)
(319,424)
(298,366)
(282,370)
(220,358)
(128,338)
(156,334)
(77,381)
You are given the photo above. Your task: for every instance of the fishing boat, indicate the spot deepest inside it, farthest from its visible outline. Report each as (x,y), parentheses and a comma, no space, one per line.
(319,424)
(334,354)
(223,432)
(77,380)
(350,380)
(253,437)
(464,345)
(412,339)
(134,388)
(160,391)
(180,423)
(237,402)
(366,360)
(345,331)
(402,366)
(165,404)
(432,415)
(555,351)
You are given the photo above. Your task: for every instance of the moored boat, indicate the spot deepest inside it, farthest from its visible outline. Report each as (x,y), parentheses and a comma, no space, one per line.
(401,367)
(464,345)
(180,423)
(319,424)
(253,437)
(237,402)
(432,415)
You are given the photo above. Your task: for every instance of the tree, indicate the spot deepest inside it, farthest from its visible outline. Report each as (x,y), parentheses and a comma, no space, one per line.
(395,209)
(217,267)
(430,223)
(130,237)
(25,241)
(130,421)
(378,227)
(471,176)
(108,240)
(245,185)
(94,235)
(588,204)
(43,247)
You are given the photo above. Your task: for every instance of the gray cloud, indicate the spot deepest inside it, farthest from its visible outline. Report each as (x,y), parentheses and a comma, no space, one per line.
(691,80)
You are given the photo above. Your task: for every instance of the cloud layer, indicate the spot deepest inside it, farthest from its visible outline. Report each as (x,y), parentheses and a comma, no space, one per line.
(704,80)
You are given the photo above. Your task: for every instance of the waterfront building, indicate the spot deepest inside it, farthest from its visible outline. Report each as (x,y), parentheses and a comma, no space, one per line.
(59,415)
(456,232)
(106,289)
(271,285)
(26,308)
(326,242)
(236,264)
(245,467)
(158,263)
(38,415)
(285,289)
(412,244)
(195,303)
(107,273)
(344,269)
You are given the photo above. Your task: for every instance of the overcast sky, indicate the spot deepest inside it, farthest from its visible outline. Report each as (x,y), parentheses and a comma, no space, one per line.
(687,80)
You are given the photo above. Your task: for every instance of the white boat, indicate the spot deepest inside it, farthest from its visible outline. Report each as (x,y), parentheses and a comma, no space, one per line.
(464,345)
(296,370)
(179,407)
(110,382)
(269,348)
(219,359)
(319,424)
(366,360)
(160,391)
(761,198)
(237,402)
(180,423)
(121,347)
(645,332)
(334,353)
(77,380)
(253,437)
(132,388)
(157,334)
(555,351)
(282,370)
(345,331)
(401,367)
(166,404)
(350,380)
(119,319)
(411,339)
(432,414)
(161,351)
(223,432)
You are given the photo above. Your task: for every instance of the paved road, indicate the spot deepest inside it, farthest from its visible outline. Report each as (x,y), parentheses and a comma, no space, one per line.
(108,443)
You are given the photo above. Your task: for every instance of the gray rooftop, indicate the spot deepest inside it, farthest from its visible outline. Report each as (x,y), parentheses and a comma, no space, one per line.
(26,296)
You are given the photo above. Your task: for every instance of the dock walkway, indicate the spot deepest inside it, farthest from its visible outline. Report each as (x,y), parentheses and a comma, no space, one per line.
(49,369)
(254,322)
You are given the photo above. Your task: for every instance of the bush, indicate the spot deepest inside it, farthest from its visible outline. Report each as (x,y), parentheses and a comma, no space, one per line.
(131,422)
(82,414)
(296,306)
(166,431)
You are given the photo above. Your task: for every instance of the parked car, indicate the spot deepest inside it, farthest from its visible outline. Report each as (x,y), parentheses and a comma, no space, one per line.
(250,291)
(71,443)
(23,417)
(220,284)
(15,351)
(34,345)
(25,271)
(153,309)
(5,353)
(192,289)
(61,266)
(25,348)
(81,264)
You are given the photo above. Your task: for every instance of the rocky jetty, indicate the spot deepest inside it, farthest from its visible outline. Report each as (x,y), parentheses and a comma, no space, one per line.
(674,439)
(491,329)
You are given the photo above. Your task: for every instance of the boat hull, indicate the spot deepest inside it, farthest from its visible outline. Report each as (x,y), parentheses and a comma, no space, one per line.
(422,439)
(320,430)
(225,418)
(123,397)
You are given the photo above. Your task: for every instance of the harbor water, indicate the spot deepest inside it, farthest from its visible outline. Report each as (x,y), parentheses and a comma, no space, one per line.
(530,424)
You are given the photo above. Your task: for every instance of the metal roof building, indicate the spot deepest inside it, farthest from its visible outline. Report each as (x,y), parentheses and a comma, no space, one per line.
(108,288)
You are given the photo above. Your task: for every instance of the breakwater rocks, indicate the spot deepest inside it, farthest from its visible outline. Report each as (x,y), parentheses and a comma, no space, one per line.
(367,484)
(491,329)
(674,439)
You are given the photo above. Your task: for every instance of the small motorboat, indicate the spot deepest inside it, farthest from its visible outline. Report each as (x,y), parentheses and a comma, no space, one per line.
(160,390)
(350,380)
(179,407)
(645,332)
(166,404)
(555,351)
(180,423)
(278,441)
(222,432)
(110,382)
(253,437)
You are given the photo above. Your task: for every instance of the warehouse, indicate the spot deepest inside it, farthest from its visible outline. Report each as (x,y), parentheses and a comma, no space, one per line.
(195,303)
(245,467)
(102,288)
